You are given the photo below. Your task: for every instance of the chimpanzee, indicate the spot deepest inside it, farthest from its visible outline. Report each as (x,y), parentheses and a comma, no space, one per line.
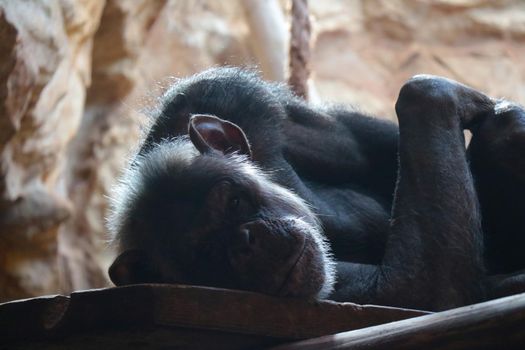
(240,184)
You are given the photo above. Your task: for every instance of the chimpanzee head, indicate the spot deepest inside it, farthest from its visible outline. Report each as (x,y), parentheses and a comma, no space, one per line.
(197,210)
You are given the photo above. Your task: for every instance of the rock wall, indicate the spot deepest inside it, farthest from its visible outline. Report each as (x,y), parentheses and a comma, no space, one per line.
(76,78)
(45,69)
(366,49)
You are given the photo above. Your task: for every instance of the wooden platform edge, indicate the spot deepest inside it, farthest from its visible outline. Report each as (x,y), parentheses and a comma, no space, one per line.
(495,324)
(150,306)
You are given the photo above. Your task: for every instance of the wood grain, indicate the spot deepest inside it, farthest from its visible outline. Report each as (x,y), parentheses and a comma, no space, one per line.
(156,310)
(496,324)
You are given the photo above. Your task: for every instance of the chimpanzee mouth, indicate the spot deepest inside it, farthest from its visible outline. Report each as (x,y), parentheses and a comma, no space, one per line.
(288,285)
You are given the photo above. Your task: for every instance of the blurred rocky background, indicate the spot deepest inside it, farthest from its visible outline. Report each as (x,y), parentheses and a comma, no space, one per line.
(77,75)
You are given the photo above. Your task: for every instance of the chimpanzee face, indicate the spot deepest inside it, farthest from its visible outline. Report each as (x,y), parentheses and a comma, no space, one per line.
(200,212)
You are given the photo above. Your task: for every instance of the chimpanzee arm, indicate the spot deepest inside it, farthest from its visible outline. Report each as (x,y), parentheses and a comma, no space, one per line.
(433,257)
(498,166)
(337,146)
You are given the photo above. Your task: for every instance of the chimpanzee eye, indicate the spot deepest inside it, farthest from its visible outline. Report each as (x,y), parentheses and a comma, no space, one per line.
(234,203)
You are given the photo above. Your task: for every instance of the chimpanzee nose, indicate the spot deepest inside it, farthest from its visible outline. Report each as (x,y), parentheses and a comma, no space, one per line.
(243,241)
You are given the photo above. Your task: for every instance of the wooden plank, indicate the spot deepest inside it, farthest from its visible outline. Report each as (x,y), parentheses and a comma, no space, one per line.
(145,338)
(496,324)
(252,313)
(151,306)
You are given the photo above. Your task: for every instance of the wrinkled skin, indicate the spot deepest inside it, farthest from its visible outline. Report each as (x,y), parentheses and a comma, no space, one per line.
(239,184)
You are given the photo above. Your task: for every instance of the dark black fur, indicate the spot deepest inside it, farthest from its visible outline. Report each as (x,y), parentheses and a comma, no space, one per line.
(408,234)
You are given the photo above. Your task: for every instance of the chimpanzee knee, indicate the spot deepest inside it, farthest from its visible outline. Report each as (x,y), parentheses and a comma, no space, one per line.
(428,97)
(424,93)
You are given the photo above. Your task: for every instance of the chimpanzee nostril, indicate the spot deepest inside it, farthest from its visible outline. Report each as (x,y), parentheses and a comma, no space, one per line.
(244,237)
(251,239)
(242,242)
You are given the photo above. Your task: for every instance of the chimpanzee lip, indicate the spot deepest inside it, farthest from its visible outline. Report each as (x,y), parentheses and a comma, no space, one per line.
(283,290)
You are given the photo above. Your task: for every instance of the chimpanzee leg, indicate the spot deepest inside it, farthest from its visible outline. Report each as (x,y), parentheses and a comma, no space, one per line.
(497,158)
(433,256)
(434,252)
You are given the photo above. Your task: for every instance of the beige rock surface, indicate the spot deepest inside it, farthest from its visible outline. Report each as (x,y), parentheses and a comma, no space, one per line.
(75,77)
(365,62)
(95,151)
(46,55)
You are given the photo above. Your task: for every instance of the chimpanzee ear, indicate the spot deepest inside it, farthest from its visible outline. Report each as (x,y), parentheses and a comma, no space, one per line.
(132,267)
(209,133)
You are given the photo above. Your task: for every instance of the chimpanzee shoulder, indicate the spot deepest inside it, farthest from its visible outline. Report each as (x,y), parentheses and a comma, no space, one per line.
(234,94)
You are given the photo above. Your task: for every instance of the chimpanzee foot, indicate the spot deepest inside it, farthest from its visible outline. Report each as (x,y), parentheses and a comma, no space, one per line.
(500,139)
(507,122)
(431,92)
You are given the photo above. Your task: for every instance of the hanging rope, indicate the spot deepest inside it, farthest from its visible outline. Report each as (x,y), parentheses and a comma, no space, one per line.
(300,48)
